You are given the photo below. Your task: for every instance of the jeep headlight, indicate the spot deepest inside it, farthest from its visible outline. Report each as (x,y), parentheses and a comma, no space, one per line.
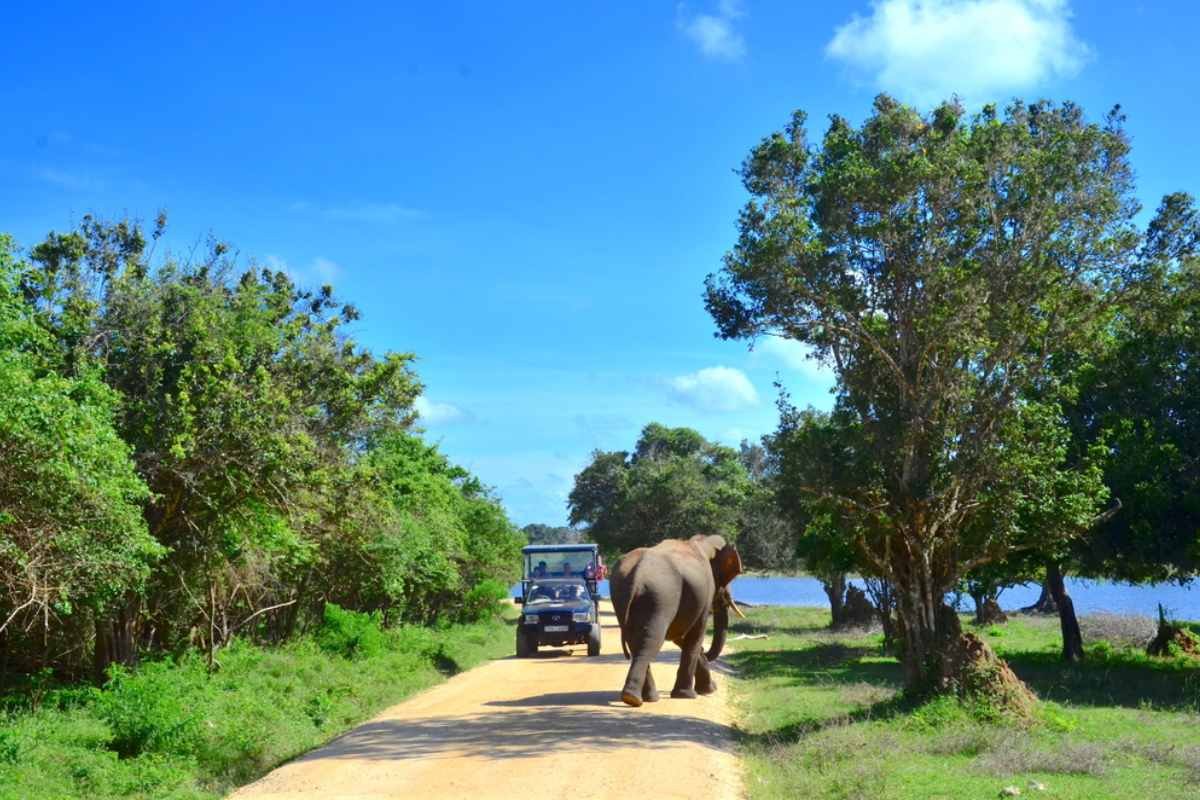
(531,619)
(582,616)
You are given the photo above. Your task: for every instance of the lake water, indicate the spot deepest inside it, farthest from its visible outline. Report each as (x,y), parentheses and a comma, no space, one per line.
(1183,602)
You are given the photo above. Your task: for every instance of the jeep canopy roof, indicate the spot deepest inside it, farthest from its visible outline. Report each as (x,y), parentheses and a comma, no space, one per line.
(559,548)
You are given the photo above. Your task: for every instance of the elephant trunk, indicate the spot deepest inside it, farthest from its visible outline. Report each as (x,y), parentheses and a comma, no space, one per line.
(720,623)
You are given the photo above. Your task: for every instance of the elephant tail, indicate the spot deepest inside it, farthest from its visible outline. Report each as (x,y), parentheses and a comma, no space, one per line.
(623,620)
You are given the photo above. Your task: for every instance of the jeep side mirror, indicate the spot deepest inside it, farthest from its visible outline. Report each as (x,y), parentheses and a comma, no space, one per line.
(518,600)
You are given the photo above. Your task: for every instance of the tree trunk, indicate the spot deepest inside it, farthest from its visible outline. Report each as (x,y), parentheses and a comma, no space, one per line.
(926,627)
(979,598)
(835,589)
(1045,602)
(116,639)
(1072,637)
(884,599)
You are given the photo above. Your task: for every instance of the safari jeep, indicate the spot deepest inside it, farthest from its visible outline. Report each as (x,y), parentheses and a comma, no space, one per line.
(558,611)
(560,595)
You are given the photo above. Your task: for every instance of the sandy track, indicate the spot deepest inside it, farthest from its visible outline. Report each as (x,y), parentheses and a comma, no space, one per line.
(546,727)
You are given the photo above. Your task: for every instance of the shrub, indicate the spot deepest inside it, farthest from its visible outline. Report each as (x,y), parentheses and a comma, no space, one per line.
(10,746)
(483,602)
(157,709)
(351,634)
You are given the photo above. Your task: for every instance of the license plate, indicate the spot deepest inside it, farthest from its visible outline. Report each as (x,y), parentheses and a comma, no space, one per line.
(555,628)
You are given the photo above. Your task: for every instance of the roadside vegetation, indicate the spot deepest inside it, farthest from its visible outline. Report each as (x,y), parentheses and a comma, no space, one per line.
(172,729)
(223,538)
(1016,362)
(822,714)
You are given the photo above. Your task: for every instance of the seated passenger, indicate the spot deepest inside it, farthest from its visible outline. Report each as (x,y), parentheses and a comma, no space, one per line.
(540,570)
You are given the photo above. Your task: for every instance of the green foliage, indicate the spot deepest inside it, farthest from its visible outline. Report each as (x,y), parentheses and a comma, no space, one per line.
(171,729)
(350,634)
(1139,400)
(766,536)
(72,537)
(158,709)
(537,533)
(484,601)
(196,450)
(443,533)
(674,485)
(820,715)
(943,265)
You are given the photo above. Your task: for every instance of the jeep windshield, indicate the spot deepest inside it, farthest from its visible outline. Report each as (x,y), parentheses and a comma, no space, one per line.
(560,564)
(556,592)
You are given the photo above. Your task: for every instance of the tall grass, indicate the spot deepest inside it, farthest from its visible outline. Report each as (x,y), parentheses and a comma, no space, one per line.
(821,716)
(173,730)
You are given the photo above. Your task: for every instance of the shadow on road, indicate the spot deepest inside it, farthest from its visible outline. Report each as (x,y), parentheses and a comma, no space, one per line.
(511,733)
(608,699)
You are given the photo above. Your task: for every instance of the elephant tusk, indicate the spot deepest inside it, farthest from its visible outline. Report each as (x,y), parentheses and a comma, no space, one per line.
(733,604)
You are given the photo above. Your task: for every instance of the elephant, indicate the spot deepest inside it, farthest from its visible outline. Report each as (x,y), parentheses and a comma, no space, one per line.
(666,592)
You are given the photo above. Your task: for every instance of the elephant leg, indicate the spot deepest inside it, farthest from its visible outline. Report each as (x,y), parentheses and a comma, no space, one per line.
(644,649)
(649,690)
(690,653)
(704,680)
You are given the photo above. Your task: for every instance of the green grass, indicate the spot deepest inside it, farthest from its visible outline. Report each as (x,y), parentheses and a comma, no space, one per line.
(171,730)
(820,716)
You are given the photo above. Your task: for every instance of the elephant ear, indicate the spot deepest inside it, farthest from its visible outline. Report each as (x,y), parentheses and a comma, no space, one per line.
(727,564)
(709,546)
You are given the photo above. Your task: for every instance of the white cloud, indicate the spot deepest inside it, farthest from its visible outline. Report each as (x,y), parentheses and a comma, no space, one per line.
(794,355)
(714,34)
(715,389)
(373,213)
(438,413)
(328,271)
(320,270)
(69,180)
(735,436)
(924,51)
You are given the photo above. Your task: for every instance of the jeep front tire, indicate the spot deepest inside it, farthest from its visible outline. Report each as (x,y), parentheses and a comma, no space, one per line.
(593,640)
(525,647)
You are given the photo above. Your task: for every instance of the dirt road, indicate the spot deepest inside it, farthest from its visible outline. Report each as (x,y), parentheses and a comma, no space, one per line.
(515,728)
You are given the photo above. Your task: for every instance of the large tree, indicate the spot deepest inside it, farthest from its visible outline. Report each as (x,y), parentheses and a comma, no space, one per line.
(939,264)
(72,537)
(674,485)
(1139,397)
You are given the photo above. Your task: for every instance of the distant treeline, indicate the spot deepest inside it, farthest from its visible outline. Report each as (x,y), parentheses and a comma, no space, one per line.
(193,449)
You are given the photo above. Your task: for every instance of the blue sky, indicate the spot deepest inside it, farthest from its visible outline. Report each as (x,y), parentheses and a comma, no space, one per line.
(530,199)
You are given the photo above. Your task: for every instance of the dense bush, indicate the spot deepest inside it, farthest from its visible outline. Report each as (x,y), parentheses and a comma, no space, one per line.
(172,729)
(197,450)
(484,601)
(157,710)
(350,634)
(72,536)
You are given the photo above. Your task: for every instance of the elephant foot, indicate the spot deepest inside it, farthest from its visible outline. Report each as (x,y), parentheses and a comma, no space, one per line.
(709,689)
(631,699)
(686,694)
(650,696)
